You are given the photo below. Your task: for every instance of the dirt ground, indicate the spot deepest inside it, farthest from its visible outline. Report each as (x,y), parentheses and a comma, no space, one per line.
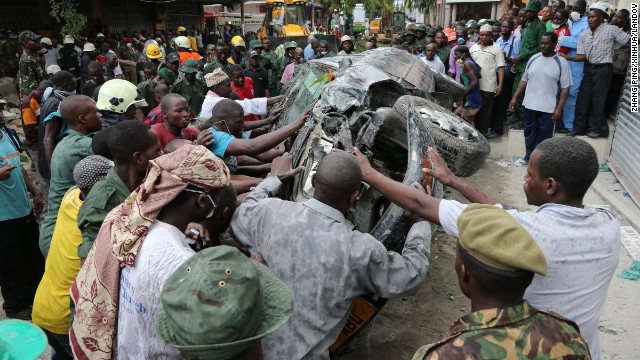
(405,324)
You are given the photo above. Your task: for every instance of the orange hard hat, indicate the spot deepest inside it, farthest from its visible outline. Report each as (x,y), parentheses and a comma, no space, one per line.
(452,37)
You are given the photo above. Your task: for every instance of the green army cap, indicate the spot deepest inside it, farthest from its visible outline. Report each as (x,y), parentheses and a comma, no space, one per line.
(173,57)
(494,238)
(239,302)
(421,27)
(255,44)
(409,32)
(28,35)
(533,5)
(189,66)
(290,44)
(167,75)
(491,21)
(464,22)
(472,24)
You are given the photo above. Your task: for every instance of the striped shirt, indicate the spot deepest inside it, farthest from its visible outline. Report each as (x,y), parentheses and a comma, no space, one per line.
(598,45)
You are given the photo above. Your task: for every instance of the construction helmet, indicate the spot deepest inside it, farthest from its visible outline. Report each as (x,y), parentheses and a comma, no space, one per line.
(183,42)
(237,41)
(605,7)
(117,95)
(181,28)
(153,51)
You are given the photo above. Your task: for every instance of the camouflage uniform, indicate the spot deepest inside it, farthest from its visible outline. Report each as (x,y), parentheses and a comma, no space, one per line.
(193,92)
(30,74)
(273,59)
(8,58)
(217,64)
(516,332)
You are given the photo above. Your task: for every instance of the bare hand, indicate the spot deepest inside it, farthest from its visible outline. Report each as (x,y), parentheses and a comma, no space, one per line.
(197,232)
(498,90)
(364,164)
(557,115)
(256,256)
(439,170)
(303,118)
(281,167)
(205,138)
(512,104)
(563,55)
(38,203)
(5,171)
(517,59)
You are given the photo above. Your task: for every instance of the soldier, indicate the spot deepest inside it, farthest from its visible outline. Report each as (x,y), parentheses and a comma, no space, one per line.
(255,45)
(222,62)
(496,260)
(30,72)
(8,55)
(270,55)
(126,52)
(192,89)
(172,63)
(146,87)
(421,34)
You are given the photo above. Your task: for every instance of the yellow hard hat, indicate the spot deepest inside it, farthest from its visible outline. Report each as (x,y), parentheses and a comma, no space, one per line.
(182,42)
(153,51)
(237,41)
(181,28)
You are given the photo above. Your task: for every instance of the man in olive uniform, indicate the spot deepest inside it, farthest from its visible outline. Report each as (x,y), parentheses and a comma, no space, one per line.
(8,55)
(222,62)
(30,73)
(495,262)
(192,89)
(529,46)
(270,55)
(131,144)
(255,45)
(421,34)
(126,52)
(409,39)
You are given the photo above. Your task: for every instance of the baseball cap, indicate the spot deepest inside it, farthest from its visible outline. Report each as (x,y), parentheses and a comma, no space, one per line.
(173,57)
(250,303)
(28,35)
(253,53)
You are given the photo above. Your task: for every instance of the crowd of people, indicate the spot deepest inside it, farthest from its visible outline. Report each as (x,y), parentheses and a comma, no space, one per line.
(160,234)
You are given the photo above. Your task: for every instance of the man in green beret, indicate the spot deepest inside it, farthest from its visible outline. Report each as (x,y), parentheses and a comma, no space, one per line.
(473,27)
(496,260)
(581,244)
(529,46)
(192,89)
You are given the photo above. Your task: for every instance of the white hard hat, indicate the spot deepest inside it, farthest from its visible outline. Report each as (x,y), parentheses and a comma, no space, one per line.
(605,7)
(345,38)
(117,95)
(183,42)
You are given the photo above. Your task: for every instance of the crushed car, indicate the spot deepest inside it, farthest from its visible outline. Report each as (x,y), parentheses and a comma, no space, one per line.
(392,107)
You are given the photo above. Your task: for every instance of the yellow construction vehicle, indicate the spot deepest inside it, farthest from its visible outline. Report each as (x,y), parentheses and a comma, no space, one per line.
(285,18)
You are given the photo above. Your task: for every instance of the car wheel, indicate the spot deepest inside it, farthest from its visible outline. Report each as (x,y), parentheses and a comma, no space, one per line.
(463,148)
(446,84)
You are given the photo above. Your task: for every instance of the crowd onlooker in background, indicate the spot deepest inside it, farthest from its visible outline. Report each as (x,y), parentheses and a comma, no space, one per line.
(547,79)
(578,25)
(443,48)
(489,57)
(621,57)
(455,68)
(510,46)
(469,78)
(560,28)
(595,47)
(30,72)
(431,59)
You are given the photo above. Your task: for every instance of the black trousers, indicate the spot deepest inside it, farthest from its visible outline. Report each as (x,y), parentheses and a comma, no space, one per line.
(21,263)
(590,106)
(615,91)
(483,118)
(501,104)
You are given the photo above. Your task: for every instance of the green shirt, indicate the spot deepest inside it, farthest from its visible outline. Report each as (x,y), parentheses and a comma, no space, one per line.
(69,151)
(515,332)
(217,64)
(146,89)
(105,195)
(273,59)
(530,40)
(443,54)
(193,92)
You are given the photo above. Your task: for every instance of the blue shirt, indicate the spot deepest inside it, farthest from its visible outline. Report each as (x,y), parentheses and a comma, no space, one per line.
(308,52)
(512,42)
(14,201)
(221,141)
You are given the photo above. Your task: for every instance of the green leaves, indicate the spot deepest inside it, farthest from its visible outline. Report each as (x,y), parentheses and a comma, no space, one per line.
(66,12)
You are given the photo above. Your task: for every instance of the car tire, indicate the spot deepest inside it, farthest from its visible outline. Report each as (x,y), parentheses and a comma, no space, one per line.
(461,146)
(445,84)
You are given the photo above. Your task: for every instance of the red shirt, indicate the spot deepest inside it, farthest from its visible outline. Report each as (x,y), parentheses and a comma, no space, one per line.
(154,116)
(165,137)
(562,31)
(245,92)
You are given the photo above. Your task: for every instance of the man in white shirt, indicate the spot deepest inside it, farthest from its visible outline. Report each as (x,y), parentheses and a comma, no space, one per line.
(488,55)
(581,244)
(219,87)
(431,59)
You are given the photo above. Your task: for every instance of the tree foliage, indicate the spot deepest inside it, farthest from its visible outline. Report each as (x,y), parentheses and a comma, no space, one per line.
(66,13)
(420,5)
